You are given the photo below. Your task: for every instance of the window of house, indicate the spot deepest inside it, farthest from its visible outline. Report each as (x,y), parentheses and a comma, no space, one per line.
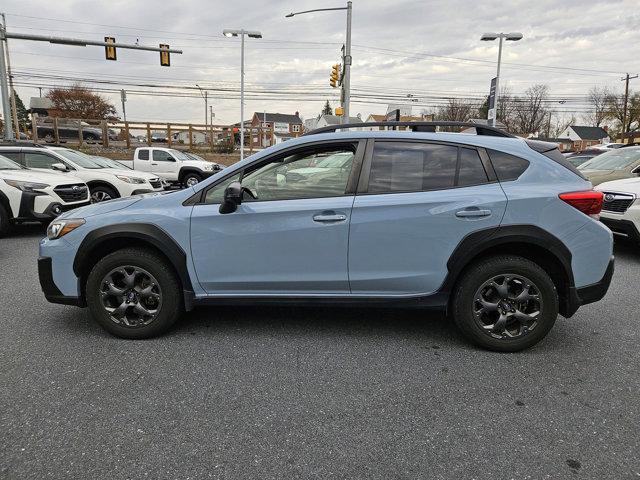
(295,128)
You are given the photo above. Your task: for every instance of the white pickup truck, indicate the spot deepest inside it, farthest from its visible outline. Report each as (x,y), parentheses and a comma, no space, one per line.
(172,165)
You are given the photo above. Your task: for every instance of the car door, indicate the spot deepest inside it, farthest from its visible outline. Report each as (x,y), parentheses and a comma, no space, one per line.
(289,241)
(142,161)
(163,164)
(416,201)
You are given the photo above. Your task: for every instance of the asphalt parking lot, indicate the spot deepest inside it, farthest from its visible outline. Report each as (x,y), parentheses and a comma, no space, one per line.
(313,393)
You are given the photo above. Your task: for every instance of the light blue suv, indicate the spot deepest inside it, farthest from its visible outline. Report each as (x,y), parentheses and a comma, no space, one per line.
(499,232)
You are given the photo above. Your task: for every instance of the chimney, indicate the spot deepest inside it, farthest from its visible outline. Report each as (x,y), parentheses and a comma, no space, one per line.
(297,113)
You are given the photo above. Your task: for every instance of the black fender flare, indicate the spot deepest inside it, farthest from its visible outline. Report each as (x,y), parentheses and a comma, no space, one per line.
(486,240)
(148,233)
(185,170)
(102,183)
(4,201)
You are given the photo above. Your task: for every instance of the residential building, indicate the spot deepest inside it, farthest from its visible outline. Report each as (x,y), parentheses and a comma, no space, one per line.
(326,120)
(272,128)
(583,137)
(403,118)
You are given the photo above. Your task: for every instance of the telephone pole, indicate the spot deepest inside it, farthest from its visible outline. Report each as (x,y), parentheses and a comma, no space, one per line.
(626,102)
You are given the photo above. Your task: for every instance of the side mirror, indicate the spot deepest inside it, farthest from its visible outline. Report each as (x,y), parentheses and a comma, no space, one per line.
(232,198)
(60,167)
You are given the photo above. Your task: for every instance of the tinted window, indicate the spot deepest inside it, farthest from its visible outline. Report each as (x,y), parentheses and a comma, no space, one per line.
(507,167)
(162,156)
(143,154)
(15,156)
(39,160)
(471,170)
(412,167)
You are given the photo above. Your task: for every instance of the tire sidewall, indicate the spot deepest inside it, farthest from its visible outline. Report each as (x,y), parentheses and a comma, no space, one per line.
(191,175)
(101,188)
(483,271)
(170,287)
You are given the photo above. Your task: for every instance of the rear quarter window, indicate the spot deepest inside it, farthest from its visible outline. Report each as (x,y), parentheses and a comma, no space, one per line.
(508,167)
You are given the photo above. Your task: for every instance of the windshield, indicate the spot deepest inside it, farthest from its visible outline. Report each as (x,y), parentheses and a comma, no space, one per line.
(6,164)
(178,155)
(617,159)
(193,156)
(79,158)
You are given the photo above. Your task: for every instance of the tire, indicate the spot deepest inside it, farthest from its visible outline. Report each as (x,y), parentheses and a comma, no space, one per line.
(190,179)
(5,222)
(101,193)
(90,138)
(154,275)
(483,315)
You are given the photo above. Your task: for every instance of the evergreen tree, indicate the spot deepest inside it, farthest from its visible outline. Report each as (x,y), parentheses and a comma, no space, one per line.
(21,112)
(327,110)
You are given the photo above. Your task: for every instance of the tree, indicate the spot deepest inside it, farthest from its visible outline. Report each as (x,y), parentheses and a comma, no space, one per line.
(598,111)
(80,102)
(615,109)
(21,112)
(326,110)
(529,111)
(456,110)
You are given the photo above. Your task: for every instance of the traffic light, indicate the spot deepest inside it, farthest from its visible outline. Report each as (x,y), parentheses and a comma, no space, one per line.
(335,75)
(110,52)
(165,61)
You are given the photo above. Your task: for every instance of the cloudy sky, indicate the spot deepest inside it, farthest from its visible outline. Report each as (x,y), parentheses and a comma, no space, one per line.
(428,50)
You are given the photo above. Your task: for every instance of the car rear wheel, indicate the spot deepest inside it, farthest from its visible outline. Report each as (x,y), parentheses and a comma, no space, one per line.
(101,193)
(505,303)
(134,293)
(191,179)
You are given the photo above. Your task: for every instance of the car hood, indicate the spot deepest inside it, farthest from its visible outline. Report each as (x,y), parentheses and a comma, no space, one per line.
(39,177)
(598,176)
(196,163)
(100,208)
(130,173)
(630,185)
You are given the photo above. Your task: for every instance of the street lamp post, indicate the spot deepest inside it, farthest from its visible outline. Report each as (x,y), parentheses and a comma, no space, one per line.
(346,79)
(489,37)
(241,33)
(206,107)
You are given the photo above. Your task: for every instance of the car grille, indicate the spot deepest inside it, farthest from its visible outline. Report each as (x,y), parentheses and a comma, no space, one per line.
(72,193)
(155,183)
(617,202)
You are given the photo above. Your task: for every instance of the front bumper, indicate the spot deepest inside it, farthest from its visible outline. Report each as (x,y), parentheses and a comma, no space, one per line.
(28,211)
(590,293)
(622,227)
(51,292)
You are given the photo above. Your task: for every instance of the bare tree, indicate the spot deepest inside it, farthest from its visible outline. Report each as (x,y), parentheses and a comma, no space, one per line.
(506,109)
(457,110)
(599,110)
(615,109)
(529,111)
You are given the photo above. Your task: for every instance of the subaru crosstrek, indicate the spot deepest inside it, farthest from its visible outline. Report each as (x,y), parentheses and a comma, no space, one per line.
(499,232)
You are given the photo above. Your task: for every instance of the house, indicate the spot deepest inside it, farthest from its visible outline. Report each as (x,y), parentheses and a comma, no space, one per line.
(197,137)
(272,128)
(403,118)
(326,120)
(583,137)
(43,107)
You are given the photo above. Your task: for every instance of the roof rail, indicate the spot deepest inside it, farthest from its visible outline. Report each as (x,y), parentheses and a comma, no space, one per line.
(20,143)
(416,127)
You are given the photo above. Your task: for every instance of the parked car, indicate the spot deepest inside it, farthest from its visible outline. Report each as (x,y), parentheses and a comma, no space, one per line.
(108,162)
(160,137)
(30,196)
(469,224)
(612,165)
(104,183)
(69,130)
(621,207)
(171,165)
(607,146)
(578,158)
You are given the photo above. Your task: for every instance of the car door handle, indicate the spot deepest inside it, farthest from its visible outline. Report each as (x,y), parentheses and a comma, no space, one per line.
(473,212)
(329,217)
(154,164)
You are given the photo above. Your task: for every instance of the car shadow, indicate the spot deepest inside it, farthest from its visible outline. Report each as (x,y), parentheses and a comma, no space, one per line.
(627,249)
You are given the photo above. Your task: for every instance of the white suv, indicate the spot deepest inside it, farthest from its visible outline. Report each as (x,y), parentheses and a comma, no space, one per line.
(621,207)
(104,183)
(27,195)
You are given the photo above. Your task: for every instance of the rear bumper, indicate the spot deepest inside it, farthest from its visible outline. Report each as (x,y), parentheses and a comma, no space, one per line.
(622,227)
(51,292)
(590,293)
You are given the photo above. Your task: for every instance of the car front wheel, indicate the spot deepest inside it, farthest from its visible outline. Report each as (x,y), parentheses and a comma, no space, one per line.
(505,303)
(134,293)
(102,194)
(191,179)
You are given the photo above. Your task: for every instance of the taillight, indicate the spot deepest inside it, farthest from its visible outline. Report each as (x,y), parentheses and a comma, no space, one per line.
(588,202)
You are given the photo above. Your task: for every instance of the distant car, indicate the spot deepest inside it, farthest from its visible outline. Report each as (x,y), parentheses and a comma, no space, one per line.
(69,130)
(578,158)
(621,207)
(607,146)
(612,165)
(159,137)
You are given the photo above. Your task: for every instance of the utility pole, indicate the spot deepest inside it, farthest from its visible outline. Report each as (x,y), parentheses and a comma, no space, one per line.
(123,97)
(14,107)
(626,102)
(4,35)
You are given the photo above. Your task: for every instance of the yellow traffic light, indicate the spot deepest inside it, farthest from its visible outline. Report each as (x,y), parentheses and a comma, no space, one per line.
(165,61)
(335,75)
(110,52)
(339,111)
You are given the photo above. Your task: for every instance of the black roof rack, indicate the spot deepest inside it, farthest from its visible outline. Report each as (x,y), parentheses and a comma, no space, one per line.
(417,127)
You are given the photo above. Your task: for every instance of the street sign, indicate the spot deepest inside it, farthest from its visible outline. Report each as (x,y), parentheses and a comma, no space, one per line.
(281,127)
(393,116)
(491,113)
(110,52)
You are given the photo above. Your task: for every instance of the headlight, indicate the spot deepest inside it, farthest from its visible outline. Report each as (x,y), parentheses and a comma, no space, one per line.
(59,228)
(124,178)
(208,166)
(26,186)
